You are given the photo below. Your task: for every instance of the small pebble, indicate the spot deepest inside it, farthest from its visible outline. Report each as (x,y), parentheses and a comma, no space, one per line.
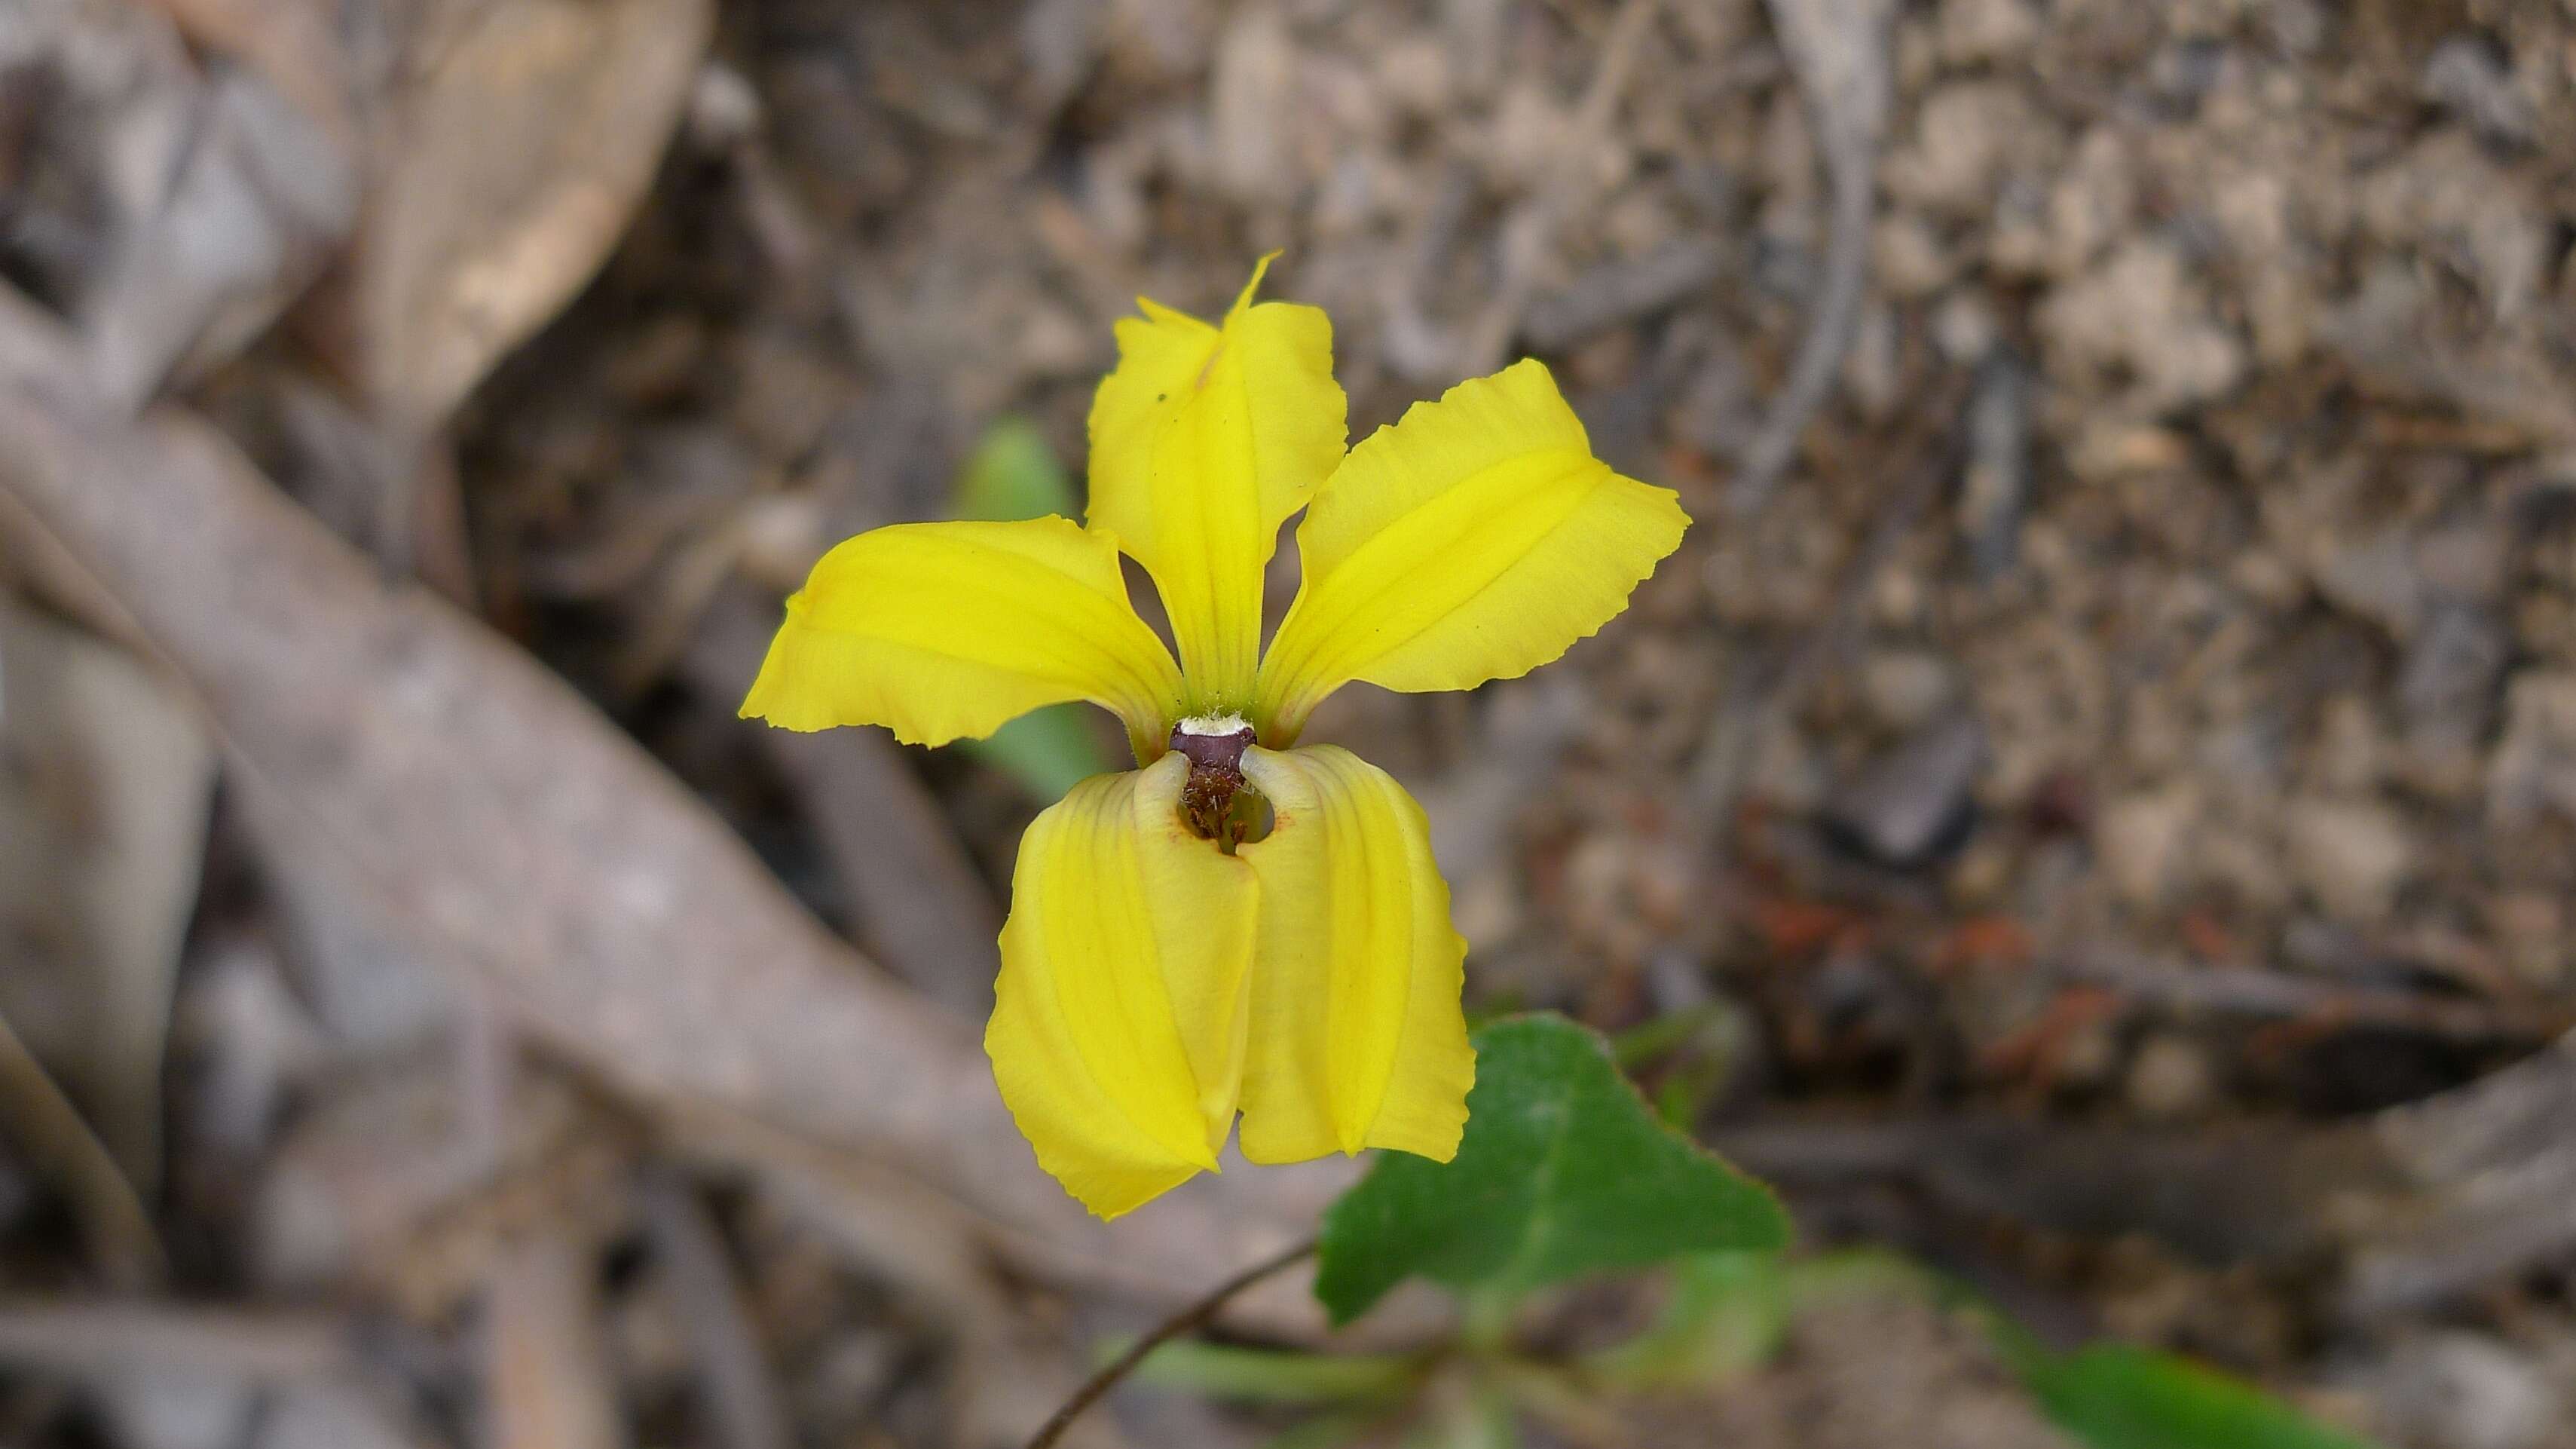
(2467,1390)
(2171,1078)
(2351,855)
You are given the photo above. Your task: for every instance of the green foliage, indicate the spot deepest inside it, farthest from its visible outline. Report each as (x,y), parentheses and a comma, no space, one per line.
(1727,1313)
(2115,1397)
(1696,1050)
(1013,474)
(1563,1171)
(1048,751)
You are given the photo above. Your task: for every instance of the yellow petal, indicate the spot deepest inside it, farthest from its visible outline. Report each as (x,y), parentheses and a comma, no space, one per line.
(1475,539)
(942,630)
(1118,1021)
(1203,442)
(1357,1037)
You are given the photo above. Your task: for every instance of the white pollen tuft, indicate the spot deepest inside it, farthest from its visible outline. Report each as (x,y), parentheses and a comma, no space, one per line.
(1219,725)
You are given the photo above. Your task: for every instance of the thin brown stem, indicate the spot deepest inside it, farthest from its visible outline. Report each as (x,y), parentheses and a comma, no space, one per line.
(1197,1316)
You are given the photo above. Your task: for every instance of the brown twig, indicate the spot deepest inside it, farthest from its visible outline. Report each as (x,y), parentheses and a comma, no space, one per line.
(1726,757)
(59,1143)
(546,1378)
(745,1410)
(1838,52)
(2249,992)
(1566,188)
(91,1335)
(1188,1320)
(922,908)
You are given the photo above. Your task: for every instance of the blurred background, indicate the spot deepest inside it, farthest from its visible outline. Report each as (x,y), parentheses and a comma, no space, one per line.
(2092,805)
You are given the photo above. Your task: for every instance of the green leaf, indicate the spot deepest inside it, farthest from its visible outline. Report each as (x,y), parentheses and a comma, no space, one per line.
(2115,1397)
(1563,1171)
(1013,474)
(1049,751)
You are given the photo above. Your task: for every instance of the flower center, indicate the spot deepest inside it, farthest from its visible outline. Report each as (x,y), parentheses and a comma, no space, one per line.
(1215,800)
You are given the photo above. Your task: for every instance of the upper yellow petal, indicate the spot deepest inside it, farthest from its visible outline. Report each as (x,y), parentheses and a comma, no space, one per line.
(1475,539)
(942,630)
(1119,1020)
(1357,1036)
(1203,442)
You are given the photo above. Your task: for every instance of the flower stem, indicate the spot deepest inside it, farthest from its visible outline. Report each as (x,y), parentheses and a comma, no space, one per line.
(1198,1315)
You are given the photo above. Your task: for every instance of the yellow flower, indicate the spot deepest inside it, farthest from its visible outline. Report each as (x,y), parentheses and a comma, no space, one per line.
(1239,924)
